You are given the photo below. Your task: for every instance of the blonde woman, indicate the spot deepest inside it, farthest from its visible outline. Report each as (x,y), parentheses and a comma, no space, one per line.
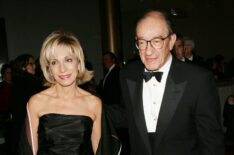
(63,119)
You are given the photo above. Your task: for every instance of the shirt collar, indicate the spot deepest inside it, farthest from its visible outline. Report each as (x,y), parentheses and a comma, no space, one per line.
(191,58)
(111,67)
(183,59)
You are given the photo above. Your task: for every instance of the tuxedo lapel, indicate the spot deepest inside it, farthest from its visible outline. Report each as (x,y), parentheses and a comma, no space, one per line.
(135,89)
(171,98)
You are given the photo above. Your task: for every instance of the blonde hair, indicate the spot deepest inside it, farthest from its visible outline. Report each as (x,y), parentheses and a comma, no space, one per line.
(68,40)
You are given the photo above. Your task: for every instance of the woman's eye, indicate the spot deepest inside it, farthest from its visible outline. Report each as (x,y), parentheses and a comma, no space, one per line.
(53,63)
(69,60)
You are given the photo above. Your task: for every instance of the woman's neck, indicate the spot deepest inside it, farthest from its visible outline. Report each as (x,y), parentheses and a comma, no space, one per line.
(66,92)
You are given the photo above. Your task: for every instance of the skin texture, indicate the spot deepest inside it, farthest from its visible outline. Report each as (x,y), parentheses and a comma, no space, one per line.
(154,25)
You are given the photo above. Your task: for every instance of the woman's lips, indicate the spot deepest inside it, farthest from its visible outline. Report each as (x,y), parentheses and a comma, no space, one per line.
(63,77)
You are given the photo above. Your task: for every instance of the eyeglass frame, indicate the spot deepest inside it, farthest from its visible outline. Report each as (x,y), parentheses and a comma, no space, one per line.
(150,41)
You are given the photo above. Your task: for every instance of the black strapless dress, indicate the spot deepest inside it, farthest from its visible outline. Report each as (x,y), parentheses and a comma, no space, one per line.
(60,134)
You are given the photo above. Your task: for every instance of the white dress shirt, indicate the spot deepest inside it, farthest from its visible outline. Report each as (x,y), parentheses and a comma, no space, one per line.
(183,59)
(152,97)
(191,58)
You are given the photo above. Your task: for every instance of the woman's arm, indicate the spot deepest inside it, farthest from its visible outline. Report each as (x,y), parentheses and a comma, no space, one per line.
(32,121)
(96,132)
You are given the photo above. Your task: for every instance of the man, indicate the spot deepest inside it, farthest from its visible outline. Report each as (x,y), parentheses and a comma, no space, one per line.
(189,46)
(178,49)
(110,93)
(109,87)
(179,114)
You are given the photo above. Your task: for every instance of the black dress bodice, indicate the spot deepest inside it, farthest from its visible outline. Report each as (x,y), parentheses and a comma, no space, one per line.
(60,134)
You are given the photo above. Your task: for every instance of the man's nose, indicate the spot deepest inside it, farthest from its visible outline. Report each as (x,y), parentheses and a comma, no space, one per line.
(148,49)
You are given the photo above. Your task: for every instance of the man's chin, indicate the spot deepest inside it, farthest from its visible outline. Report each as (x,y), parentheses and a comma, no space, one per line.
(151,68)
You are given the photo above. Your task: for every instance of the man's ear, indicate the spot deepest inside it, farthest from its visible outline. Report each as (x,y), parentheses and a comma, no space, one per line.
(135,37)
(172,40)
(24,68)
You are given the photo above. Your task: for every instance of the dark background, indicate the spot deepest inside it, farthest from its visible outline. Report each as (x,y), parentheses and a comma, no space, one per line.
(28,22)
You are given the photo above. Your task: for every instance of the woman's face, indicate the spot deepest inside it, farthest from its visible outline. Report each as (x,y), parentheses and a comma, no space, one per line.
(31,67)
(63,66)
(7,75)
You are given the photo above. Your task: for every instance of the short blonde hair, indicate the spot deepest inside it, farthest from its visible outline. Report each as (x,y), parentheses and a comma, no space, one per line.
(68,40)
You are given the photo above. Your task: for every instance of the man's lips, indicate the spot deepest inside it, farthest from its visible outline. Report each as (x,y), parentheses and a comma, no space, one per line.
(63,77)
(149,60)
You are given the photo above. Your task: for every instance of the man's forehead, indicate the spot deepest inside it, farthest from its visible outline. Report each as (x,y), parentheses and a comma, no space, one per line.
(153,26)
(152,19)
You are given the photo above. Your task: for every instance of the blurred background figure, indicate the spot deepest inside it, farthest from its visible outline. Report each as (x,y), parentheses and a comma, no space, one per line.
(230,66)
(216,67)
(189,52)
(221,66)
(178,49)
(109,90)
(5,100)
(228,116)
(109,86)
(25,84)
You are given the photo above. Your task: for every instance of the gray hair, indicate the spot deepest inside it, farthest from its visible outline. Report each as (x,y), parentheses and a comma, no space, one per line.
(189,42)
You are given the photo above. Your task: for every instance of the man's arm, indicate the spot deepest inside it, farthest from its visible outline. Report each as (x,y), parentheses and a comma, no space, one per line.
(208,118)
(117,114)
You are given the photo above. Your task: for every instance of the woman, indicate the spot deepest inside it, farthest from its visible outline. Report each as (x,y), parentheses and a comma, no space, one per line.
(63,119)
(228,116)
(24,85)
(5,89)
(5,100)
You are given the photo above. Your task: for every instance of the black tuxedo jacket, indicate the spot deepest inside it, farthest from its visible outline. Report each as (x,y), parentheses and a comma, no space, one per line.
(189,118)
(110,92)
(197,60)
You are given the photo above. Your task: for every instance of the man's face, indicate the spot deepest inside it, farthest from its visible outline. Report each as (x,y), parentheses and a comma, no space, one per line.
(108,61)
(147,29)
(188,50)
(179,49)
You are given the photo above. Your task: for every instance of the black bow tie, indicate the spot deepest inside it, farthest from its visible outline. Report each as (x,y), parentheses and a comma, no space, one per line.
(148,75)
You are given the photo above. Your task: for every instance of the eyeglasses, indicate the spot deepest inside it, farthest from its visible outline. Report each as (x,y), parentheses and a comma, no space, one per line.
(156,43)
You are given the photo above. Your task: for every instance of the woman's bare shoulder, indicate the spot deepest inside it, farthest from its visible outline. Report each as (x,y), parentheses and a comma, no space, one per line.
(95,103)
(95,100)
(39,99)
(90,98)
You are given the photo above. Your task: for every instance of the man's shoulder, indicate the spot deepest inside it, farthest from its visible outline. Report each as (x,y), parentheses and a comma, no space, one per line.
(116,68)
(189,70)
(132,68)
